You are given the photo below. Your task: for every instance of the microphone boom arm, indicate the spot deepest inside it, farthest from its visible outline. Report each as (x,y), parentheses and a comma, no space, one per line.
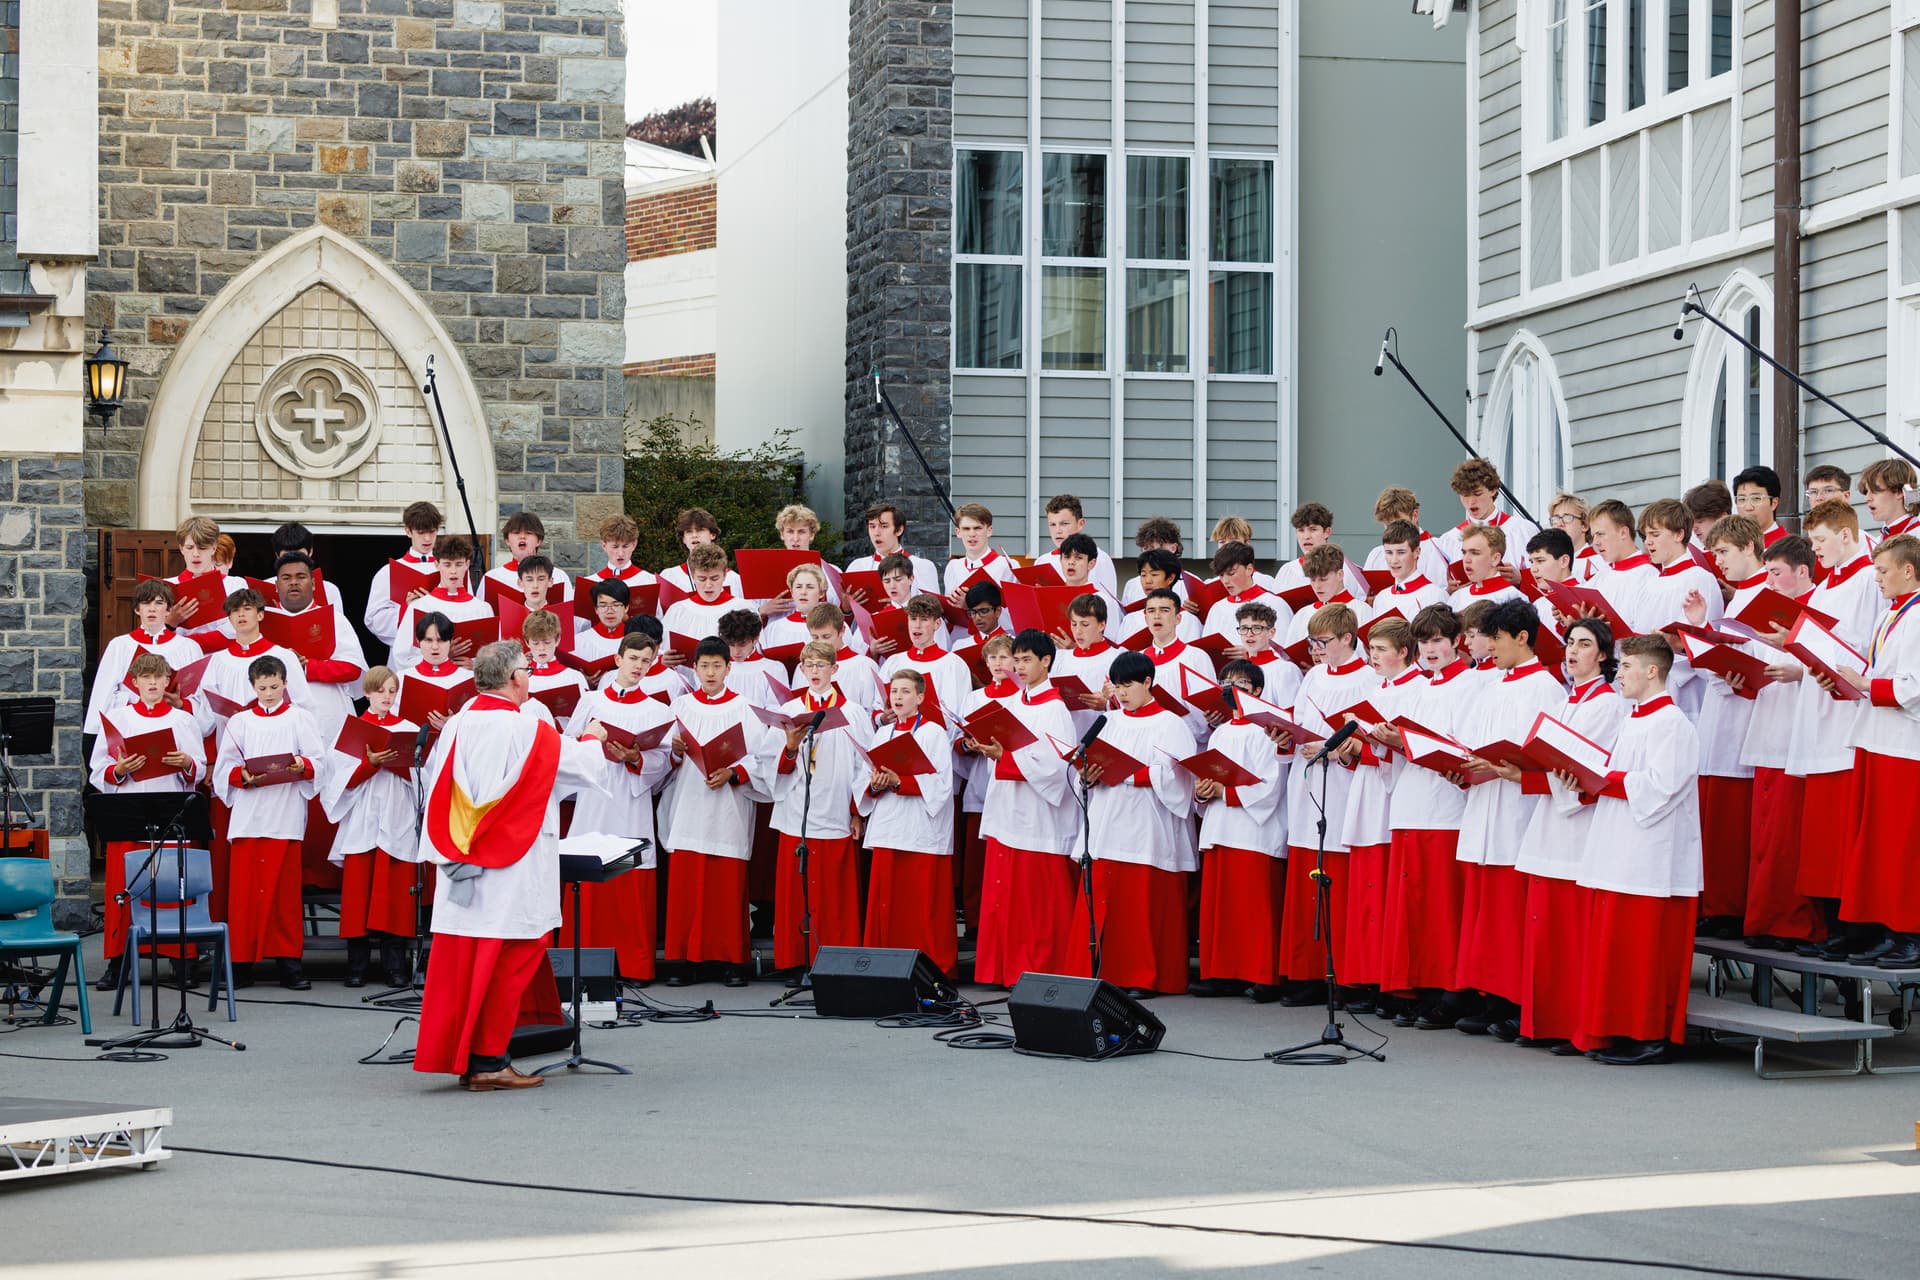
(1392,357)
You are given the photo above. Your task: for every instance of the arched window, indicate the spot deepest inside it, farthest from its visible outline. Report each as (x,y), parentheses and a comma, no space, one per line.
(1728,416)
(1525,429)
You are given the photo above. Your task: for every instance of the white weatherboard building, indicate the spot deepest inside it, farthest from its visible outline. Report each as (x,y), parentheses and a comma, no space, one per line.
(1622,150)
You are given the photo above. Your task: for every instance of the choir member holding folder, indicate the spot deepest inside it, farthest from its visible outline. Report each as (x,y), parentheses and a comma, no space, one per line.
(398,583)
(113,681)
(368,793)
(907,802)
(451,600)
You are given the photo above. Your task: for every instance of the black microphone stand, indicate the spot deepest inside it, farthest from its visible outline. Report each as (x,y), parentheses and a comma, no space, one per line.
(1086,855)
(800,853)
(1390,354)
(1331,1048)
(886,401)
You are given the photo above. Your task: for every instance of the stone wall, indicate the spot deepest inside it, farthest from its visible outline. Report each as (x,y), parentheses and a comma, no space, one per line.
(473,144)
(899,257)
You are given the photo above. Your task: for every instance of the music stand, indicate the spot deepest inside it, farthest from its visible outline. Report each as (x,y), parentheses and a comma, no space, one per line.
(577,869)
(160,818)
(26,727)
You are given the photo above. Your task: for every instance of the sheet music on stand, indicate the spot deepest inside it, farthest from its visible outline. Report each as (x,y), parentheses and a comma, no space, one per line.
(586,850)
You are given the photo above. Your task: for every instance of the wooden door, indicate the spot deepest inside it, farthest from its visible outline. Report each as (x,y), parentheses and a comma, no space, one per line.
(125,554)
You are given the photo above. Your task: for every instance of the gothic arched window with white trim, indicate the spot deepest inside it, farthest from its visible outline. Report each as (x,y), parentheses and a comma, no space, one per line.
(1729,403)
(1526,430)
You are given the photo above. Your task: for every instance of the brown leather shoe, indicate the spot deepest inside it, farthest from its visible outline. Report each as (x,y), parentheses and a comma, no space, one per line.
(505,1078)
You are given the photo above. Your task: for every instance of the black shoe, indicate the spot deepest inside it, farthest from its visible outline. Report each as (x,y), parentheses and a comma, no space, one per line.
(1507,1029)
(1212,988)
(795,978)
(1439,1018)
(292,977)
(1478,1024)
(1406,1018)
(1872,954)
(110,980)
(677,979)
(1809,949)
(398,978)
(355,980)
(736,976)
(242,975)
(1266,993)
(1356,1000)
(1906,955)
(1836,948)
(1636,1053)
(1567,1049)
(1301,994)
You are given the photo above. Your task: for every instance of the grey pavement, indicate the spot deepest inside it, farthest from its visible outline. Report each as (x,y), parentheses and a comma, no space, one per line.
(1458,1156)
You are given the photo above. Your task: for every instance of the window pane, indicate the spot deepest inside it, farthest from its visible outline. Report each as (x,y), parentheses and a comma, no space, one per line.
(1720,39)
(1157,321)
(1557,70)
(1242,205)
(1717,438)
(987,203)
(1157,207)
(1074,207)
(1240,322)
(1073,318)
(986,316)
(1752,455)
(1678,19)
(1636,53)
(1596,61)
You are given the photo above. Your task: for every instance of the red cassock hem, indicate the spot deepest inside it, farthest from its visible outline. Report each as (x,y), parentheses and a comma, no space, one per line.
(1026,908)
(263,899)
(1881,880)
(973,854)
(1303,956)
(473,997)
(1140,917)
(376,895)
(1241,897)
(119,916)
(1726,843)
(833,887)
(1361,943)
(1493,930)
(617,913)
(707,908)
(910,904)
(1774,908)
(1553,956)
(1638,966)
(219,816)
(1425,889)
(1828,810)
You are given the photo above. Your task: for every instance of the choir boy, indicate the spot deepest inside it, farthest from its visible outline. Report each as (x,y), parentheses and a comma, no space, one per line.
(268,818)
(1642,868)
(1628,573)
(1400,505)
(1476,636)
(1824,483)
(1568,513)
(1141,840)
(1064,519)
(1312,527)
(1158,570)
(1551,558)
(1326,568)
(619,536)
(541,638)
(147,712)
(1243,865)
(450,599)
(715,592)
(886,526)
(294,536)
(333,682)
(972,773)
(523,534)
(1233,567)
(1493,919)
(1403,551)
(376,842)
(1665,527)
(1256,623)
(228,675)
(749,668)
(196,538)
(974,525)
(710,823)
(620,913)
(1476,482)
(909,827)
(987,615)
(859,675)
(152,600)
(806,587)
(1089,660)
(1884,485)
(1708,502)
(611,601)
(421,521)
(1756,495)
(1032,830)
(1155,535)
(1171,655)
(1077,559)
(946,672)
(694,527)
(1483,553)
(897,586)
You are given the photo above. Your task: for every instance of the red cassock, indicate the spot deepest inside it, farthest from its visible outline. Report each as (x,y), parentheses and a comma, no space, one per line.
(1881,882)
(1303,956)
(1830,799)
(1637,968)
(910,904)
(1493,928)
(315,871)
(1140,920)
(833,895)
(706,908)
(1726,840)
(1241,897)
(1774,907)
(617,913)
(1425,889)
(1360,940)
(973,868)
(376,895)
(1555,957)
(263,899)
(1025,900)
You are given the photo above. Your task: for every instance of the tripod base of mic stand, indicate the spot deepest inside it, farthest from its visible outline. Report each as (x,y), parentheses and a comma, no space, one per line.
(576,1061)
(1332,1049)
(181,1033)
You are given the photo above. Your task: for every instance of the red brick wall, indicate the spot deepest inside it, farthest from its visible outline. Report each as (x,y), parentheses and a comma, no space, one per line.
(669,222)
(688,366)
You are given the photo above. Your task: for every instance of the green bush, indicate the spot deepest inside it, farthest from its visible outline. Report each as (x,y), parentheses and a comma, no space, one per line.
(745,489)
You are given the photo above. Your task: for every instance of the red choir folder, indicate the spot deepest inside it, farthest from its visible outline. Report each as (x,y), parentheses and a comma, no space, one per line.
(1826,654)
(888,624)
(1215,646)
(269,590)
(957,614)
(930,706)
(1256,710)
(1561,749)
(993,722)
(1295,598)
(152,745)
(1041,573)
(561,699)
(1529,585)
(1570,598)
(836,718)
(493,591)
(1710,635)
(1215,766)
(513,617)
(1724,660)
(864,583)
(1140,641)
(274,769)
(309,633)
(642,597)
(404,579)
(1501,751)
(359,737)
(684,645)
(763,572)
(1441,754)
(899,753)
(1073,688)
(1456,574)
(666,595)
(781,693)
(1300,653)
(723,751)
(1378,580)
(420,698)
(184,681)
(225,708)
(634,740)
(591,668)
(1116,766)
(1363,711)
(1042,608)
(784,654)
(1769,609)
(1169,701)
(975,657)
(1202,694)
(1203,594)
(209,591)
(1549,647)
(478,632)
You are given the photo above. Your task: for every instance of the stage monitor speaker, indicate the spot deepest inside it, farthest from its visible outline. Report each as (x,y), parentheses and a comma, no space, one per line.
(873,982)
(1080,1018)
(599,972)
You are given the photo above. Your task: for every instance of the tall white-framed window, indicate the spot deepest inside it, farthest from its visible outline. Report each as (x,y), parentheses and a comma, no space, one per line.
(1600,69)
(1159,271)
(1073,262)
(1727,414)
(1240,267)
(988,259)
(1525,429)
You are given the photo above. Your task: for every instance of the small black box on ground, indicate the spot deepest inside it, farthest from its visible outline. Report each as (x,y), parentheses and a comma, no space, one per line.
(599,973)
(1080,1018)
(873,982)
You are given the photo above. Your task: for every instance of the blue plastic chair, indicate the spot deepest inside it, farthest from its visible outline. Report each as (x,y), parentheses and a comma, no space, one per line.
(159,883)
(26,894)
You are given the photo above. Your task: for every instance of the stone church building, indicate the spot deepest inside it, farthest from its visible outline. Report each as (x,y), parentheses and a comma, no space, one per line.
(296,206)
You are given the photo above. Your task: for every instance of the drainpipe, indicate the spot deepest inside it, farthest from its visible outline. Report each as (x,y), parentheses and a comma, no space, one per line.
(1786,246)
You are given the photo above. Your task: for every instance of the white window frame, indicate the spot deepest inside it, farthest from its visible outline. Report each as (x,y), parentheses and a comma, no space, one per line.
(1124,264)
(1207,266)
(994,259)
(1707,374)
(1036,210)
(1527,370)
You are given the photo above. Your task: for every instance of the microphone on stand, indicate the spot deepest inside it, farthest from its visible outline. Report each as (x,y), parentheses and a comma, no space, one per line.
(1380,365)
(1093,731)
(1230,693)
(813,725)
(1680,325)
(1334,743)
